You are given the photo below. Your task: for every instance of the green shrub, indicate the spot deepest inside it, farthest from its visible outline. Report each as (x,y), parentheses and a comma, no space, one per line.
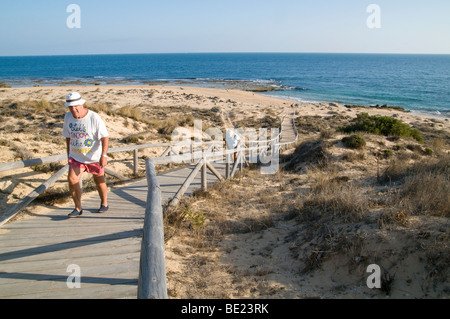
(131,139)
(198,219)
(354,141)
(381,125)
(388,153)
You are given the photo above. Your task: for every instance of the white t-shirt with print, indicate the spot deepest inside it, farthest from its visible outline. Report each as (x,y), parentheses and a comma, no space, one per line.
(85,136)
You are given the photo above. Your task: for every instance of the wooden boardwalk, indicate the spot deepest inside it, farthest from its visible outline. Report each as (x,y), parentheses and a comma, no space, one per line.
(36,252)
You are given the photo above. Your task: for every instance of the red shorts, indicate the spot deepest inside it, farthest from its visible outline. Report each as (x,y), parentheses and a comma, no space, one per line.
(93,168)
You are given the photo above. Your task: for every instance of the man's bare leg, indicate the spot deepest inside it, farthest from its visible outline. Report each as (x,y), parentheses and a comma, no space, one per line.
(102,189)
(75,187)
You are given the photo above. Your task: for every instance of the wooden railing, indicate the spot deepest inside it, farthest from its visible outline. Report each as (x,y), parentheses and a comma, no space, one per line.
(152,276)
(152,266)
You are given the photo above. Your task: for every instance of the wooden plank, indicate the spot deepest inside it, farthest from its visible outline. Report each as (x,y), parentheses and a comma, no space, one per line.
(123,286)
(95,255)
(76,233)
(32,255)
(124,273)
(49,267)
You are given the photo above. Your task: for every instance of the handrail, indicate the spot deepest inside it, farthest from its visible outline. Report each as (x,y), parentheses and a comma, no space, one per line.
(152,267)
(61,157)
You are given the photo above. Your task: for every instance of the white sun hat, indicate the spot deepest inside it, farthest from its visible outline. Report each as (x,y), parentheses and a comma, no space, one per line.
(74,99)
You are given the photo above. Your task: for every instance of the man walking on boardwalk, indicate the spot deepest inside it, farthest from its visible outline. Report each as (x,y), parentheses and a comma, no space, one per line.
(87,145)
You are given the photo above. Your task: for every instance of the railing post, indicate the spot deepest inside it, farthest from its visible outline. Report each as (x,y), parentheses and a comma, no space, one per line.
(135,162)
(227,163)
(204,175)
(152,268)
(241,160)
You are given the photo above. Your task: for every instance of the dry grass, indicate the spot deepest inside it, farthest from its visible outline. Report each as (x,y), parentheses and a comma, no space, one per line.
(424,186)
(206,215)
(346,209)
(329,198)
(133,113)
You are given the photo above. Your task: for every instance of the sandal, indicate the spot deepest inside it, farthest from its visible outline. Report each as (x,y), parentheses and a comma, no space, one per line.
(75,213)
(103,209)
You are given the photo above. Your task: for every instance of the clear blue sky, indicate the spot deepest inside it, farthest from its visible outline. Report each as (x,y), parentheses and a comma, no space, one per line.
(30,27)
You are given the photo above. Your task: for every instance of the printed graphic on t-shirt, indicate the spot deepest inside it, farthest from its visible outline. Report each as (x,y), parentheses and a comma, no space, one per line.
(80,141)
(84,136)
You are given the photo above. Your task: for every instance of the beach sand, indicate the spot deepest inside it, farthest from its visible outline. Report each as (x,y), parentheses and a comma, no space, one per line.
(255,264)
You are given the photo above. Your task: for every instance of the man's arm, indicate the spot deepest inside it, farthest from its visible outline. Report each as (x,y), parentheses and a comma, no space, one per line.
(68,146)
(105,145)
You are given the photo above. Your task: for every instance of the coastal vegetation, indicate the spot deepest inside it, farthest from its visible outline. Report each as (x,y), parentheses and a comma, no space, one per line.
(358,189)
(354,141)
(335,210)
(4,85)
(382,125)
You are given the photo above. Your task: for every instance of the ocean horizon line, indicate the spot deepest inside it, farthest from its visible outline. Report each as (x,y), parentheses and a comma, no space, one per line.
(231,53)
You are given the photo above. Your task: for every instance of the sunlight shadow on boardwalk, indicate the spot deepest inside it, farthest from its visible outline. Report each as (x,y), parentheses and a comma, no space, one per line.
(69,245)
(122,193)
(56,278)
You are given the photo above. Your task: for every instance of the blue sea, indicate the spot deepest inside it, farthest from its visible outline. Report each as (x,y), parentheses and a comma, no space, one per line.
(419,83)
